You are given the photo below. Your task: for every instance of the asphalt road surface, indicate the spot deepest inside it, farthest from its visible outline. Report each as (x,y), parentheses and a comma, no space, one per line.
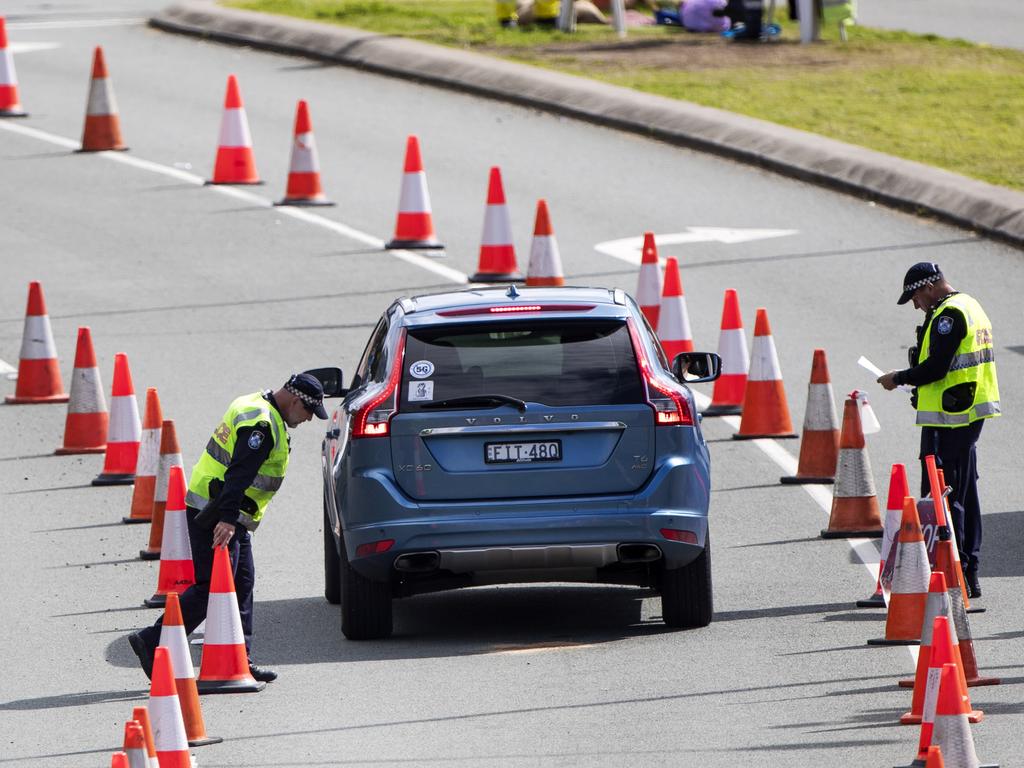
(212,293)
(997,22)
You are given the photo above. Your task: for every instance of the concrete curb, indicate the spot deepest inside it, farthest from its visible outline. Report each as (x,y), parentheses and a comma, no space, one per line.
(989,209)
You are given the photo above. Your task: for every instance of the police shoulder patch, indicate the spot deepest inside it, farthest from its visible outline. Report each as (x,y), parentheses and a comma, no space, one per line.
(255,439)
(944,325)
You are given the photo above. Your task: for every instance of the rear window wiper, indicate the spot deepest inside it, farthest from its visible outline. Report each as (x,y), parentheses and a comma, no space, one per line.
(491,400)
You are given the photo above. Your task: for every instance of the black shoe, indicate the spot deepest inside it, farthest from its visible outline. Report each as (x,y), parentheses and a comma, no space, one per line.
(262,674)
(973,585)
(143,651)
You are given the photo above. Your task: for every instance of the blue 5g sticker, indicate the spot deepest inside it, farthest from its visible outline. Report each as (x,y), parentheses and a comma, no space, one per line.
(421,369)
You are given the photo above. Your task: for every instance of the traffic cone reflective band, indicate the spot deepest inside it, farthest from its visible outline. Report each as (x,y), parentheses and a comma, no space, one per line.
(235,163)
(304,168)
(727,396)
(125,431)
(765,412)
(170,456)
(177,572)
(819,445)
(141,716)
(165,713)
(964,638)
(899,489)
(415,226)
(225,664)
(173,637)
(854,503)
(497,254)
(85,428)
(952,730)
(149,457)
(673,319)
(102,129)
(648,289)
(38,368)
(134,747)
(936,607)
(10,102)
(910,578)
(545,267)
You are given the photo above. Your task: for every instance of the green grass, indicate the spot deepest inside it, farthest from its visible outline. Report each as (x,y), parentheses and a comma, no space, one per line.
(947,103)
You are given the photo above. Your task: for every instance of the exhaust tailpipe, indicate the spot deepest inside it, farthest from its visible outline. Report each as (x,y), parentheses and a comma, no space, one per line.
(418,562)
(638,553)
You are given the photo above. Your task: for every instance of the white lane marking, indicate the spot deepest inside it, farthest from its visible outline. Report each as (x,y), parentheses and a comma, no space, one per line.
(423,262)
(77,23)
(628,249)
(31,47)
(8,371)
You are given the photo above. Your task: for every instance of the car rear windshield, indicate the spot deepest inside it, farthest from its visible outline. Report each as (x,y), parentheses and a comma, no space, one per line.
(554,362)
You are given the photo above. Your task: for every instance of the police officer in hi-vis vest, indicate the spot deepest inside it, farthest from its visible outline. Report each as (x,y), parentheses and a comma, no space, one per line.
(242,467)
(954,371)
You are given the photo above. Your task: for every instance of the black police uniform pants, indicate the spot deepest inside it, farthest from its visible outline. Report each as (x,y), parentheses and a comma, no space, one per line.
(957,457)
(194,599)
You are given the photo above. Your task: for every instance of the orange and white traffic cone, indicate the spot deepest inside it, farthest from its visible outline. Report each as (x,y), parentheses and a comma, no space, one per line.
(673,319)
(497,263)
(225,664)
(149,458)
(965,640)
(648,289)
(414,229)
(899,489)
(819,446)
(727,396)
(765,412)
(119,760)
(85,428)
(854,503)
(38,368)
(170,456)
(304,168)
(173,637)
(235,163)
(10,101)
(952,730)
(134,746)
(545,267)
(177,572)
(141,716)
(947,543)
(910,578)
(125,432)
(936,607)
(165,712)
(102,129)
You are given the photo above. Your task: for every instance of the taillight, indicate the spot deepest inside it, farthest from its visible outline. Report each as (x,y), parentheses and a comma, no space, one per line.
(373,419)
(671,408)
(374,547)
(674,535)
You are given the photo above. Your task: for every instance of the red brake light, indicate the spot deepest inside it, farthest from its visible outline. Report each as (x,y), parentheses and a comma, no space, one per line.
(670,407)
(373,419)
(374,547)
(512,308)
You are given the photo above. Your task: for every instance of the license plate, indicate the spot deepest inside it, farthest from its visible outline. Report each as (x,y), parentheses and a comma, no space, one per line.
(523,453)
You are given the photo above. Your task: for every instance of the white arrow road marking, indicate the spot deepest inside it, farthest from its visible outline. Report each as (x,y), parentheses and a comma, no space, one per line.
(628,249)
(77,23)
(31,47)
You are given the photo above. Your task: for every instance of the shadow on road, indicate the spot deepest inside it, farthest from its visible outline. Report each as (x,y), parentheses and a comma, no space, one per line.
(1000,552)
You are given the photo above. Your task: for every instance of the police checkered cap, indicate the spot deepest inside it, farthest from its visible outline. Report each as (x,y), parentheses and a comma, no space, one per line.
(309,390)
(918,276)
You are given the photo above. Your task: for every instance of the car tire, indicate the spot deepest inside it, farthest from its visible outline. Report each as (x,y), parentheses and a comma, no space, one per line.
(365,604)
(332,563)
(686,600)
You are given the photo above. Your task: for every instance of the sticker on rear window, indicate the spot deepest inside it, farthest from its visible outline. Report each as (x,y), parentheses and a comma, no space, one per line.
(421,369)
(420,390)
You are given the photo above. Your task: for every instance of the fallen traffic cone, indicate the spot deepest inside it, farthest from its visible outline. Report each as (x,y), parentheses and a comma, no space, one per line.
(141,716)
(765,412)
(819,446)
(85,428)
(497,262)
(170,456)
(172,636)
(304,167)
(854,503)
(910,578)
(673,319)
(102,129)
(952,731)
(727,396)
(964,639)
(414,229)
(899,489)
(134,746)
(125,432)
(38,368)
(10,102)
(177,573)
(225,664)
(648,289)
(165,711)
(149,457)
(235,163)
(545,267)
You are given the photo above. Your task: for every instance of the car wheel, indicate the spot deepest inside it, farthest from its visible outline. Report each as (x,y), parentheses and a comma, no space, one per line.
(365,604)
(332,563)
(686,592)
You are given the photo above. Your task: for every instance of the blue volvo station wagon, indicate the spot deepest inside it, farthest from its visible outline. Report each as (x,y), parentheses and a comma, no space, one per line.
(504,435)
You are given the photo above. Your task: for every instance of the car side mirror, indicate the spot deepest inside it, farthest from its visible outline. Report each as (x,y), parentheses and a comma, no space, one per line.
(697,367)
(331,379)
